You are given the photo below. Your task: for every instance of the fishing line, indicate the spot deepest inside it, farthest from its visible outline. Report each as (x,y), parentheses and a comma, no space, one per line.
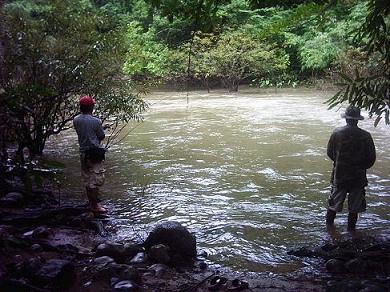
(113,136)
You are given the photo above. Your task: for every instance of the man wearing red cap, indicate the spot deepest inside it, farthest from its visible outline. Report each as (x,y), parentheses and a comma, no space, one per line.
(90,133)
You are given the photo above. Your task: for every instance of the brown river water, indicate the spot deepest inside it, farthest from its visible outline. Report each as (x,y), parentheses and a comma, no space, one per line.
(246,172)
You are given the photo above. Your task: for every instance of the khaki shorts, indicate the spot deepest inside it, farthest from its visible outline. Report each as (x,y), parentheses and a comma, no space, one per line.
(92,173)
(356,199)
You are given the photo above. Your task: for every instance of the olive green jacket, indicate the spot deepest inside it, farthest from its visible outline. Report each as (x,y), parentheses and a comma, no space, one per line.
(352,151)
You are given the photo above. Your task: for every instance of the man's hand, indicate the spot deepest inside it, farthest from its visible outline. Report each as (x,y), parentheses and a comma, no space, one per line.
(107,126)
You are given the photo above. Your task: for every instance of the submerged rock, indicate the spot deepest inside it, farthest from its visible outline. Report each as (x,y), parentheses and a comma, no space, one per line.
(173,235)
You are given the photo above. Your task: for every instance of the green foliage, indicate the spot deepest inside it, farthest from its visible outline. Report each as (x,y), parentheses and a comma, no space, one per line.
(55,51)
(145,56)
(370,90)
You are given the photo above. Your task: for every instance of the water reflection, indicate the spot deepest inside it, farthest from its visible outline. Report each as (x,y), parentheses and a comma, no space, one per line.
(248,173)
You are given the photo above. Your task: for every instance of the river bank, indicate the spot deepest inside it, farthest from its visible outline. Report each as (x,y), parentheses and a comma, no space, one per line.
(47,247)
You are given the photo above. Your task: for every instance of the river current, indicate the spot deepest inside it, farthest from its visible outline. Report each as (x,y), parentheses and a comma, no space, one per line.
(246,172)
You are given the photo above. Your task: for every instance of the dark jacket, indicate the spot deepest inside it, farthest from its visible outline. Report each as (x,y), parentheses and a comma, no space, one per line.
(353,152)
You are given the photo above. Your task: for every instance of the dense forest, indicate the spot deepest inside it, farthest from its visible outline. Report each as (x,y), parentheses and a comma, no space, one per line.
(52,51)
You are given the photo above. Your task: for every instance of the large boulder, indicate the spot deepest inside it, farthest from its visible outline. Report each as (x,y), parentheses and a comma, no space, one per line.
(175,236)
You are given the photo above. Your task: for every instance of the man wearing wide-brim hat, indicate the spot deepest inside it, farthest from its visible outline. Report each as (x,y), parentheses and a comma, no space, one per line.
(352,151)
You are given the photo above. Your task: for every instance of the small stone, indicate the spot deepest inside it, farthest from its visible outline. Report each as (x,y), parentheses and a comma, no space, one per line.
(131,274)
(114,280)
(159,254)
(88,284)
(41,232)
(131,249)
(139,258)
(36,247)
(103,260)
(118,267)
(28,233)
(126,286)
(18,257)
(159,270)
(175,236)
(113,250)
(335,266)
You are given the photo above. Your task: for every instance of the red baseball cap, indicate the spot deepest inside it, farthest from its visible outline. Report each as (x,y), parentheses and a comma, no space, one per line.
(87,100)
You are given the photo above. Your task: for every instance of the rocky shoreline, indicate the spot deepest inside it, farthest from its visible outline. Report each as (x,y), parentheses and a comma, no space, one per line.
(46,247)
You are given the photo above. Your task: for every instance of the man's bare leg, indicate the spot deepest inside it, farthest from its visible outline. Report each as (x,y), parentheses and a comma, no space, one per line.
(352,219)
(92,194)
(330,216)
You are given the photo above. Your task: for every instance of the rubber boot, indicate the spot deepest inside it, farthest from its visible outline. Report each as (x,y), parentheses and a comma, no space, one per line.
(352,219)
(330,216)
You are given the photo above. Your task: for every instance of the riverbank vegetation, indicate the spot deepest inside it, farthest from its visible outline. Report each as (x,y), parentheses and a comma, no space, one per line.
(53,51)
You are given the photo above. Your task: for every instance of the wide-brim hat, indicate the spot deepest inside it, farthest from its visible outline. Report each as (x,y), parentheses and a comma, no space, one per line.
(352,113)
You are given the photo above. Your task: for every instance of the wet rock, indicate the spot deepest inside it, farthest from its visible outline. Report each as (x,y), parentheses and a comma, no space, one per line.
(131,249)
(363,266)
(159,270)
(12,200)
(335,266)
(173,235)
(126,286)
(117,267)
(104,260)
(40,232)
(104,272)
(114,280)
(57,272)
(130,274)
(87,284)
(139,258)
(159,254)
(36,247)
(113,250)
